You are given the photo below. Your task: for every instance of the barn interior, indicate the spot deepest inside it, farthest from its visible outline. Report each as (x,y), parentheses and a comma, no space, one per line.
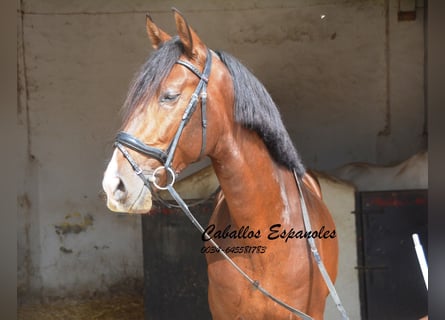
(349,78)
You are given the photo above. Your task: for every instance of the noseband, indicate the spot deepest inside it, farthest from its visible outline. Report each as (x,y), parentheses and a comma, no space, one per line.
(124,139)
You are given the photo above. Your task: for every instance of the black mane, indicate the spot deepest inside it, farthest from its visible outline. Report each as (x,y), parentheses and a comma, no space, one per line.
(254,107)
(151,75)
(255,110)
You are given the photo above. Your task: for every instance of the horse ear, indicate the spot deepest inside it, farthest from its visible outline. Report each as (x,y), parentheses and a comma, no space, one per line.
(190,40)
(156,35)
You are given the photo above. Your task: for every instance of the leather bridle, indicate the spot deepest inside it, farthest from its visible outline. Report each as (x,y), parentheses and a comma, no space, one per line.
(125,139)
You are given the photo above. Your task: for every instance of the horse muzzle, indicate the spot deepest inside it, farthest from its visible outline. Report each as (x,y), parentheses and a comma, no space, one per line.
(124,190)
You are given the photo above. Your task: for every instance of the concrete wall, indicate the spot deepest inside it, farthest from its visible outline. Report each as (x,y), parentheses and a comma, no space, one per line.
(339,197)
(347,76)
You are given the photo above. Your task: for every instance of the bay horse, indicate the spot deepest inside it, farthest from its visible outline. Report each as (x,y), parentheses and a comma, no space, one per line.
(189,102)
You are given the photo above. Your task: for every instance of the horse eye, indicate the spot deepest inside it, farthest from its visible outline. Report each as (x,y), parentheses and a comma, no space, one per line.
(169,97)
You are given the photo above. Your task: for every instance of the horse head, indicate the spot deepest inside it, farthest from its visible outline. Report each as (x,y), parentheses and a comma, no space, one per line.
(173,117)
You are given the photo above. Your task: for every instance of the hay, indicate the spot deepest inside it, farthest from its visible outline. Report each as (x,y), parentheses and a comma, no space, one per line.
(122,306)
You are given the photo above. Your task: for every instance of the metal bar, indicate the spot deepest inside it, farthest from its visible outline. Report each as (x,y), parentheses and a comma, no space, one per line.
(421,258)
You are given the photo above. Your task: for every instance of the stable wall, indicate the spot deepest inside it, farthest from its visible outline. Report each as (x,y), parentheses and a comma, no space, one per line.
(347,76)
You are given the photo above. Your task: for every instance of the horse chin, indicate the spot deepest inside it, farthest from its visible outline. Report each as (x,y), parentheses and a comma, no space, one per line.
(140,204)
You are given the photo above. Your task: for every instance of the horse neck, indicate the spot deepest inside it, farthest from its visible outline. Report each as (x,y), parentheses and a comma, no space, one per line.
(255,188)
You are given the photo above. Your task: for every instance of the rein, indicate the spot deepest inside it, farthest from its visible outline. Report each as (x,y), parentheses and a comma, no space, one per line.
(124,139)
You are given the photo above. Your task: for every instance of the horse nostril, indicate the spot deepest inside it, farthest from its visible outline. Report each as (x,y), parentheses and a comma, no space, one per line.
(121,186)
(121,192)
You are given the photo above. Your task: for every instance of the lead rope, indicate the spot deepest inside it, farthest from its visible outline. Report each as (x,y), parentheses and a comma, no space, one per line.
(320,264)
(254,283)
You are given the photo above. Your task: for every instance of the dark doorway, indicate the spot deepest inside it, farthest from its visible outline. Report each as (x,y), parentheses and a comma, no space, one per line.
(391,282)
(175,270)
